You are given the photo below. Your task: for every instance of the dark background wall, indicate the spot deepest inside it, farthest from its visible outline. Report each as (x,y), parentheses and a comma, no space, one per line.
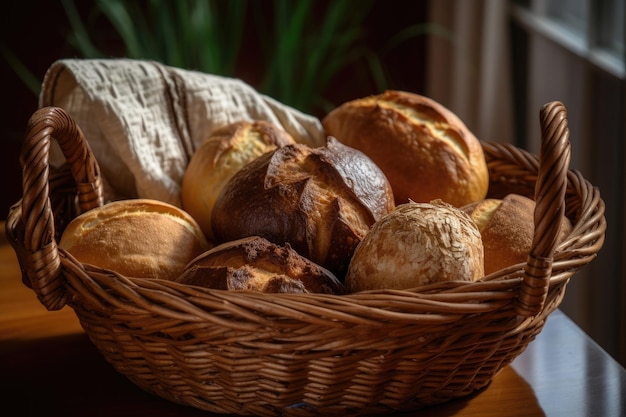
(36,32)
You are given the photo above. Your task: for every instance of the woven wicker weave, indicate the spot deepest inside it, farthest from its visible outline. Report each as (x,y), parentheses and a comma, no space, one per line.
(306,354)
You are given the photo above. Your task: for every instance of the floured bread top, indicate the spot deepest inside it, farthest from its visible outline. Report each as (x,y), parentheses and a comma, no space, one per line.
(417,244)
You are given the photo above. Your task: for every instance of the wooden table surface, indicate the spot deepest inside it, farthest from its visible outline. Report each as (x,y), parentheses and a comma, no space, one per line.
(48,367)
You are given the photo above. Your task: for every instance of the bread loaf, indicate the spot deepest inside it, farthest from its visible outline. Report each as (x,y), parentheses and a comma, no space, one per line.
(321,201)
(423,148)
(254,263)
(136,238)
(218,158)
(507,229)
(415,245)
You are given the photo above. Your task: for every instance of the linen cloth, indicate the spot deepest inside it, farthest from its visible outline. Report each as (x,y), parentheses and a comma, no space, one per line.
(143,120)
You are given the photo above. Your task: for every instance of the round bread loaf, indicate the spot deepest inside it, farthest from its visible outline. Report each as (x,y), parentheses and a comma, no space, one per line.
(423,148)
(218,158)
(415,245)
(507,229)
(321,201)
(136,238)
(254,263)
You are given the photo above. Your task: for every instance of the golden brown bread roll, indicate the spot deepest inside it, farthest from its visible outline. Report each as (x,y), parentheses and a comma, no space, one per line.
(423,148)
(216,160)
(507,228)
(417,244)
(136,238)
(321,201)
(254,263)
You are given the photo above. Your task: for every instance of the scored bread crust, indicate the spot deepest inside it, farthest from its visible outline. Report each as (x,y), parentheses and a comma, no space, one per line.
(218,158)
(424,149)
(137,238)
(321,201)
(254,263)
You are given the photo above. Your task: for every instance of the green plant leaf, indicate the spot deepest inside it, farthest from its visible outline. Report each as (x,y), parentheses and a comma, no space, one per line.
(303,44)
(132,28)
(80,36)
(31,81)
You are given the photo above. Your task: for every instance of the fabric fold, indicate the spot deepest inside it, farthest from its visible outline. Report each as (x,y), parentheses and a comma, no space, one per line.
(143,120)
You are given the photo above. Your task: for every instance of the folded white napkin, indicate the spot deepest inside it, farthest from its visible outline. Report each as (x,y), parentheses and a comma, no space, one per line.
(143,120)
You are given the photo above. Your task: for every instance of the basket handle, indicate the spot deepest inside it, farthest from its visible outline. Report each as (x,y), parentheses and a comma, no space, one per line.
(41,264)
(554,159)
(39,255)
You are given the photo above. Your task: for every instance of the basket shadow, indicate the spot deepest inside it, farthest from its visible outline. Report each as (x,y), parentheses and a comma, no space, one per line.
(67,376)
(504,394)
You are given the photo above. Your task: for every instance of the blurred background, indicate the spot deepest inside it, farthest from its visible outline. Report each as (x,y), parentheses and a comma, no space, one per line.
(493,62)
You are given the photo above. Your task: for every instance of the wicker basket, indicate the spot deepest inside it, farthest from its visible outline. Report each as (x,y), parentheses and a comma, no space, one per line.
(307,354)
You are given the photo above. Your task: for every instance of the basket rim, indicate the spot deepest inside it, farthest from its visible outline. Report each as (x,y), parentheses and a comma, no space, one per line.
(442,340)
(579,248)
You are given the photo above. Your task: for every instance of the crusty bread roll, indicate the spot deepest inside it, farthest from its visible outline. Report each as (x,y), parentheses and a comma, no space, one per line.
(216,160)
(254,263)
(507,229)
(423,148)
(417,244)
(321,201)
(136,238)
